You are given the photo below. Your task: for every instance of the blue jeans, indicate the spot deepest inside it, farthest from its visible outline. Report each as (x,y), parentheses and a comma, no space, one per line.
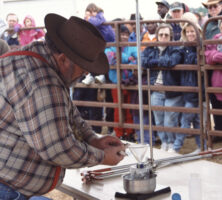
(166,119)
(7,193)
(136,120)
(186,120)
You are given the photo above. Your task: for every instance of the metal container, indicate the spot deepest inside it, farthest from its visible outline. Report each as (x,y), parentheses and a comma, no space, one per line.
(144,185)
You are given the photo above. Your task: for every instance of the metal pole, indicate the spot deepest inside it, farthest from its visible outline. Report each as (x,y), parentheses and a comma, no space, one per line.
(139,73)
(150,117)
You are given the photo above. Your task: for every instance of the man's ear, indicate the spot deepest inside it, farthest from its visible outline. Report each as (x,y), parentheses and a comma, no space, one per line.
(61,58)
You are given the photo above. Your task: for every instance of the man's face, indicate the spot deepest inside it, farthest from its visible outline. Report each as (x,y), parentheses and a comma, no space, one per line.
(177,14)
(214,10)
(162,10)
(68,70)
(164,35)
(12,20)
(151,27)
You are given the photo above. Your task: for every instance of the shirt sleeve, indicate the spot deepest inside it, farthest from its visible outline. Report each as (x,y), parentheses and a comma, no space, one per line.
(98,20)
(170,59)
(50,124)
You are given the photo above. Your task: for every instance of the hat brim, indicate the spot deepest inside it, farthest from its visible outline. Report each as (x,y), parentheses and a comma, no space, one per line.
(210,3)
(52,23)
(159,2)
(176,8)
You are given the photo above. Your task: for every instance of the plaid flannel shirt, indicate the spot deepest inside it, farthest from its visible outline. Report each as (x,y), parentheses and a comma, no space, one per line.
(39,124)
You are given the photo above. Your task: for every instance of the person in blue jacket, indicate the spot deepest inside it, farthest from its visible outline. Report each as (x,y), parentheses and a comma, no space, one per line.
(167,57)
(128,56)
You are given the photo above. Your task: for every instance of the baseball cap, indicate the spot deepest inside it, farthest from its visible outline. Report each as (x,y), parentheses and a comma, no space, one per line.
(176,6)
(164,2)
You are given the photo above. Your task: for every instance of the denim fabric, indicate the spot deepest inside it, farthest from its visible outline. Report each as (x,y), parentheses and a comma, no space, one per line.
(186,120)
(39,198)
(166,119)
(136,120)
(7,193)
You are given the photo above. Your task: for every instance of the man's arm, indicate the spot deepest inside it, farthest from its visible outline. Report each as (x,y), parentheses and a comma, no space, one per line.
(48,125)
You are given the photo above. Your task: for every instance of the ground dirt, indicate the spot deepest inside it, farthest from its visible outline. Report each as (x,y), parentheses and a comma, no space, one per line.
(188,147)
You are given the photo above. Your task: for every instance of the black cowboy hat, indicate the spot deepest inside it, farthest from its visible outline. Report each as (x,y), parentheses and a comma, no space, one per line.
(79,40)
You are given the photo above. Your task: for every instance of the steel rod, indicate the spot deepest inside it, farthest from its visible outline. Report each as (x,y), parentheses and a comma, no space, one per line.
(189,155)
(120,170)
(139,71)
(110,168)
(150,117)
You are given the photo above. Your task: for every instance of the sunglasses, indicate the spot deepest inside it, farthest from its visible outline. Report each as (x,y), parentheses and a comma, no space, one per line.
(213,6)
(163,34)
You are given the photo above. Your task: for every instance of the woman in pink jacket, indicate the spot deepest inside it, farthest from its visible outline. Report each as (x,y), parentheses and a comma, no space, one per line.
(213,56)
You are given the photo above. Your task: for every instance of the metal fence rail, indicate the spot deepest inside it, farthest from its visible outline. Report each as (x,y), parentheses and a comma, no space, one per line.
(121,105)
(202,71)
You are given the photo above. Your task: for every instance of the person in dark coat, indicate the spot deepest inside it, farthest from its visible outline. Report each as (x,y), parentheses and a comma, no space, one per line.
(164,56)
(189,78)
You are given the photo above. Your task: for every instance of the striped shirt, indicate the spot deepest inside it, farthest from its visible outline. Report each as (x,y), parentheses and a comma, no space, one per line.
(40,128)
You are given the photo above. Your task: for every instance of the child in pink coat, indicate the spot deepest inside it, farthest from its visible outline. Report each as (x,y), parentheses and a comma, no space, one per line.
(27,36)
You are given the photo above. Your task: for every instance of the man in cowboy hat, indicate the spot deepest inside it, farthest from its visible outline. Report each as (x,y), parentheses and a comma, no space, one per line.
(214,9)
(42,132)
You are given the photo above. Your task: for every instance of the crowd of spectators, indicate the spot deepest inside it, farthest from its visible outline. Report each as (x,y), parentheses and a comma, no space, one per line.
(164,57)
(14,34)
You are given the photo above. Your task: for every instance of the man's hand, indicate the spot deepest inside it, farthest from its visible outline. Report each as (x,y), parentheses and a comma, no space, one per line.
(112,147)
(106,142)
(112,155)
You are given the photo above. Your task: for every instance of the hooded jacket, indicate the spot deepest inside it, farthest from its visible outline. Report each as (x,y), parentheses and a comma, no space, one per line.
(213,56)
(127,53)
(106,30)
(27,36)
